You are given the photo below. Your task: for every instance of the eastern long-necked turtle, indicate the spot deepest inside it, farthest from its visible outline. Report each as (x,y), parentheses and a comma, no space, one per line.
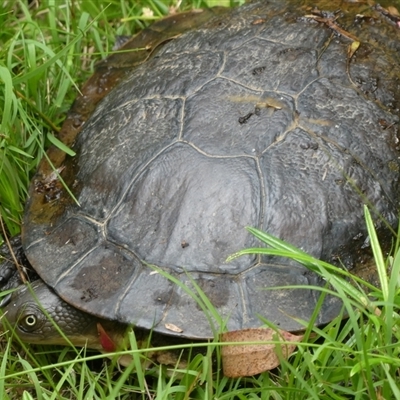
(280,115)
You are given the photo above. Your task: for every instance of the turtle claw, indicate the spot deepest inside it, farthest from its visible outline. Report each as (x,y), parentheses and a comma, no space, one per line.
(5,274)
(9,275)
(5,300)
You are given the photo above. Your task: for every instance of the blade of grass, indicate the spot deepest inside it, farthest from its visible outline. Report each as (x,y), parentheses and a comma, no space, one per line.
(378,256)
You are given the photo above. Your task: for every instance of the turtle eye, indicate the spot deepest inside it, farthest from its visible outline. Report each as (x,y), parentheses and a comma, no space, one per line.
(28,322)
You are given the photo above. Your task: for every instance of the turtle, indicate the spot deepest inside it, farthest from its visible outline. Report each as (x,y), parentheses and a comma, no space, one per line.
(281,115)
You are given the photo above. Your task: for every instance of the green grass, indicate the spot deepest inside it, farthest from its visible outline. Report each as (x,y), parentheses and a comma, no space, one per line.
(46,53)
(352,358)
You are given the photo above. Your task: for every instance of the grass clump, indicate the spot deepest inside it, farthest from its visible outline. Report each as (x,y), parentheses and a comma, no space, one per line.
(48,49)
(356,355)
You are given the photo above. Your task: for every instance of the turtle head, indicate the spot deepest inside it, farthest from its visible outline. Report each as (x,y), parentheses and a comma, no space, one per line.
(37,315)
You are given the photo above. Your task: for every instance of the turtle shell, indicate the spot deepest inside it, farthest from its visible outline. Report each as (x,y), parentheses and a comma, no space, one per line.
(274,115)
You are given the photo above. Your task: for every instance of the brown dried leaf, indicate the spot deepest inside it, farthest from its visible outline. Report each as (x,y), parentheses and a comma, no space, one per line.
(393,11)
(251,359)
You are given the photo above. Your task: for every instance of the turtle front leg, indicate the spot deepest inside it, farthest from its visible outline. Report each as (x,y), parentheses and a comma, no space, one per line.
(9,275)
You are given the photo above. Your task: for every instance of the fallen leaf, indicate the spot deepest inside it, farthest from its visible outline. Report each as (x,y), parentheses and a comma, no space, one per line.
(250,359)
(105,340)
(394,11)
(353,48)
